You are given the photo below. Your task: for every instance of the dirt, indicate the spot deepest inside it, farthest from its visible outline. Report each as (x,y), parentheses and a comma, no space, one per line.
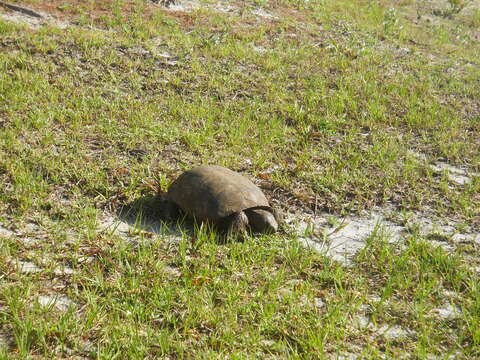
(27,267)
(455,174)
(61,303)
(448,311)
(192,5)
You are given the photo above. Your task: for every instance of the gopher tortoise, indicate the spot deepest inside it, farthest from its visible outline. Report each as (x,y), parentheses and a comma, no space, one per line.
(225,198)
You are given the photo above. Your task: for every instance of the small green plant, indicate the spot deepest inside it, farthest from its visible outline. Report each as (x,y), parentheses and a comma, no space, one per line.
(390,21)
(65,7)
(475,19)
(457,5)
(261,2)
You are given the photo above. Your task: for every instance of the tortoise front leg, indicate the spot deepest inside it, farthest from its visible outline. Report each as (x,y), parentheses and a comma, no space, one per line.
(167,210)
(238,225)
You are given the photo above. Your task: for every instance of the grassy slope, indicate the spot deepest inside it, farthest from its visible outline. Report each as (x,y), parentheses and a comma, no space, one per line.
(328,115)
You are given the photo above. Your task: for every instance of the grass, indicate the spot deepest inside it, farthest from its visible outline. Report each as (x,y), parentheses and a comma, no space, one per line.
(337,106)
(252,299)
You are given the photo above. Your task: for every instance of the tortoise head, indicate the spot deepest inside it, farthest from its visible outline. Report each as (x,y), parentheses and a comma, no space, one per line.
(262,220)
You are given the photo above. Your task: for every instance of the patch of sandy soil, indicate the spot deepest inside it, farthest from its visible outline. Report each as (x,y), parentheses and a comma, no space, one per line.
(219,6)
(263,14)
(132,227)
(389,332)
(455,174)
(342,238)
(192,5)
(6,233)
(28,267)
(59,302)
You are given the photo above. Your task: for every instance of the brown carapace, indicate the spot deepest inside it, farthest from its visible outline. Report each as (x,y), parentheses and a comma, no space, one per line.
(225,198)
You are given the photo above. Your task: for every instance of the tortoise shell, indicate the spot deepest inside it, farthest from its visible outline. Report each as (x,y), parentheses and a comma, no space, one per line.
(212,192)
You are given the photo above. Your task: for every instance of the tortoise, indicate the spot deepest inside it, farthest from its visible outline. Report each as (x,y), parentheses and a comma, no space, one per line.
(212,193)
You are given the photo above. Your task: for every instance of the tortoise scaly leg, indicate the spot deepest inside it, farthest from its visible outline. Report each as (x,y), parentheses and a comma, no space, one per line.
(238,225)
(167,210)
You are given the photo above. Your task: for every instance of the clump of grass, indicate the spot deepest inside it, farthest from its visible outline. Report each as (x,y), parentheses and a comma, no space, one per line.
(421,273)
